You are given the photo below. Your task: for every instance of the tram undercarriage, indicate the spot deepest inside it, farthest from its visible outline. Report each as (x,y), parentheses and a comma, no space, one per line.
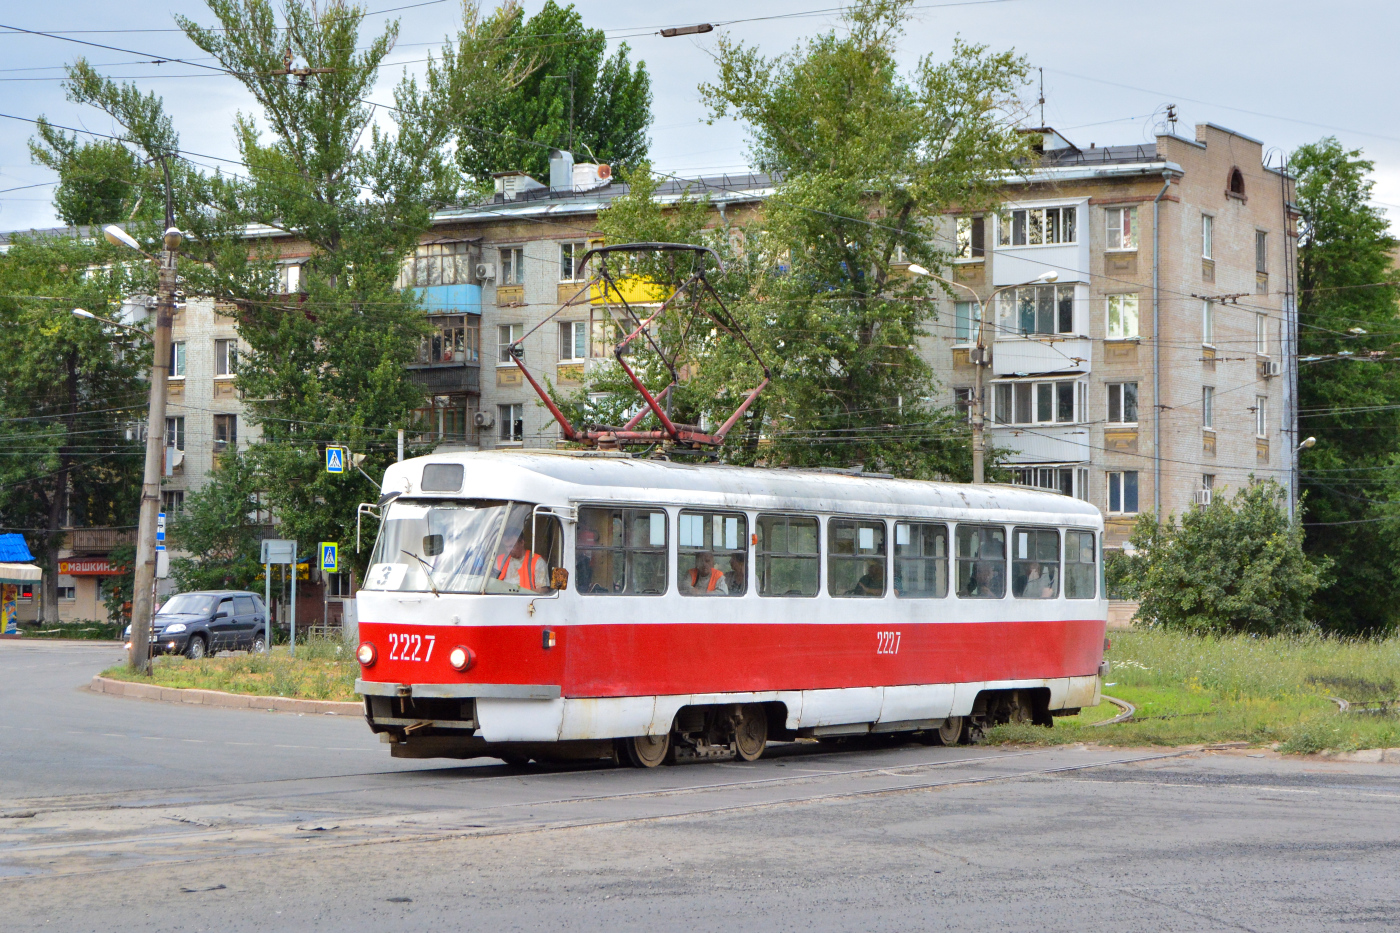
(425,727)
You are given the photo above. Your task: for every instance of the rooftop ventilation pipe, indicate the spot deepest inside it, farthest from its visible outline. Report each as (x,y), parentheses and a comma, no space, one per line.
(561,170)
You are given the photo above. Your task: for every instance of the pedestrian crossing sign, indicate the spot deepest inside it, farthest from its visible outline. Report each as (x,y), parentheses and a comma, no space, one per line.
(330,557)
(335,459)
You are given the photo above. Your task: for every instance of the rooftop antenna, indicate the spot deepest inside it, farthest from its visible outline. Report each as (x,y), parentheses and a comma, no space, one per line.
(1042,95)
(1171,117)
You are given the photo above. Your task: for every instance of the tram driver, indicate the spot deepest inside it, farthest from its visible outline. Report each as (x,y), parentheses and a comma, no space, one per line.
(522,566)
(705,579)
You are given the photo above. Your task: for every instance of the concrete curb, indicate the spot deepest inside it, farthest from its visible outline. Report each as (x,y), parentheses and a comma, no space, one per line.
(1366,756)
(218,698)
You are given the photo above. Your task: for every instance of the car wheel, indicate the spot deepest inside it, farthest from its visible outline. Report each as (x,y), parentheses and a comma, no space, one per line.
(259,644)
(196,649)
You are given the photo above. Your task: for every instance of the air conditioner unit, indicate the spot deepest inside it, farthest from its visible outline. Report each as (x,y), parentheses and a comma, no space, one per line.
(1202,496)
(486,271)
(484,419)
(1273,368)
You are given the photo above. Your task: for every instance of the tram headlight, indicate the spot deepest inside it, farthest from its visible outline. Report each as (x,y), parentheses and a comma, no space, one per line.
(366,654)
(461,658)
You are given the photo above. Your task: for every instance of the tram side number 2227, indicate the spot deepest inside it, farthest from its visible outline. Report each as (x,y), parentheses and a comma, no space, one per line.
(406,647)
(887,643)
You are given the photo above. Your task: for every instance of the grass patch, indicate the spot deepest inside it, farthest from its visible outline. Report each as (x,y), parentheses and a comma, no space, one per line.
(322,670)
(86,629)
(1193,690)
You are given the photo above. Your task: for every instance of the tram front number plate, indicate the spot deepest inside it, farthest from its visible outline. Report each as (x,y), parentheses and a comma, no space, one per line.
(405,646)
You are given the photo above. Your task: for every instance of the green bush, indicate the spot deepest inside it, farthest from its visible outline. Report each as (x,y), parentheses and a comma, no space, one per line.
(1235,566)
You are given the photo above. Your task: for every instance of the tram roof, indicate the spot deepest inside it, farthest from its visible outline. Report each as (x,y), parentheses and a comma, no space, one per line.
(556,478)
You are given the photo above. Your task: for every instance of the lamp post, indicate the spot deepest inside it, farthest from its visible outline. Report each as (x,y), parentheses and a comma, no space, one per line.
(143,588)
(978,358)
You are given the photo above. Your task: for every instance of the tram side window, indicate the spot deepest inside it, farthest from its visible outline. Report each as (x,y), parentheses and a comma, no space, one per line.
(855,558)
(1081,574)
(1035,563)
(981,561)
(712,554)
(788,556)
(532,545)
(920,560)
(620,551)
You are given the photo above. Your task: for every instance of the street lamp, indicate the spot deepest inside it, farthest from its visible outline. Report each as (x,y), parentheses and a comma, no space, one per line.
(143,587)
(978,358)
(1307,443)
(89,316)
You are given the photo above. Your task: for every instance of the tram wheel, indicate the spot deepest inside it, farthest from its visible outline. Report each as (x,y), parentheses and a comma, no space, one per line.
(950,731)
(751,732)
(646,751)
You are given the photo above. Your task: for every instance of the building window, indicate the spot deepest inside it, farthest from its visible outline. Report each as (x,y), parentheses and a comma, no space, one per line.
(1236,182)
(507,334)
(1207,236)
(512,266)
(1037,309)
(1039,402)
(1123,403)
(571,262)
(1208,407)
(573,340)
(445,419)
(225,432)
(1261,334)
(1038,226)
(970,245)
(1123,492)
(225,357)
(1208,482)
(962,402)
(454,339)
(512,422)
(603,334)
(175,432)
(289,278)
(177,359)
(67,592)
(1208,323)
(1122,317)
(262,511)
(172,501)
(1054,478)
(1261,251)
(437,264)
(1261,416)
(965,321)
(1122,228)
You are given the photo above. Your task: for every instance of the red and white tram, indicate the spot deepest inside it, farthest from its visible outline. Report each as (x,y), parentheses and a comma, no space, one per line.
(552,606)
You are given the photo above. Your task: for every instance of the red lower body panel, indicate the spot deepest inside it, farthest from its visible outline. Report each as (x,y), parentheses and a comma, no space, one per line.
(665,659)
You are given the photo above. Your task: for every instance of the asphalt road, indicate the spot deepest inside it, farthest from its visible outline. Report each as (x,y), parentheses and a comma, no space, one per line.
(120,814)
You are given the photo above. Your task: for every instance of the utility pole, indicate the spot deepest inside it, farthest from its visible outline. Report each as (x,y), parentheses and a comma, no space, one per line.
(978,358)
(143,594)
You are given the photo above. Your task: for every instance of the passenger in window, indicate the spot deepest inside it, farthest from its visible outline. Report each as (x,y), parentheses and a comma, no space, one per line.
(985,580)
(1038,582)
(872,583)
(737,578)
(705,579)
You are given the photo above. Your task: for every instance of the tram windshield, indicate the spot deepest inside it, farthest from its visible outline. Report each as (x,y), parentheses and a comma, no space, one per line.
(465,546)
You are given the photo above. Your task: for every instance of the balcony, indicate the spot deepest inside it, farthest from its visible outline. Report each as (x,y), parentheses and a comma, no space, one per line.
(98,539)
(447,378)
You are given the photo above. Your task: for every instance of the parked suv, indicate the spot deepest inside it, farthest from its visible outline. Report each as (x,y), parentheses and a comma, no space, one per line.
(208,621)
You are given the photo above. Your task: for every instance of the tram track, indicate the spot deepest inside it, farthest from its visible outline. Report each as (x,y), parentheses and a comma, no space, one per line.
(218,833)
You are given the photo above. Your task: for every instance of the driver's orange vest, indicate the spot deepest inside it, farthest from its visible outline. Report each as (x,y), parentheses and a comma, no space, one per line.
(529,565)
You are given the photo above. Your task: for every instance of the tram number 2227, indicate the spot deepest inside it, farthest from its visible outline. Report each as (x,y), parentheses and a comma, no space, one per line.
(887,643)
(405,647)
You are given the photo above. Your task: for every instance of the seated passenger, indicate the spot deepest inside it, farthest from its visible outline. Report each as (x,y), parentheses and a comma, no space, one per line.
(985,582)
(738,576)
(705,579)
(872,583)
(523,566)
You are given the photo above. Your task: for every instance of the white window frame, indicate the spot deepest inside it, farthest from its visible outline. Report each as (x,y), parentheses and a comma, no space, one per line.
(1038,226)
(507,334)
(68,592)
(225,357)
(964,247)
(512,259)
(178,359)
(508,414)
(172,501)
(1261,334)
(569,255)
(1207,323)
(1008,312)
(577,333)
(175,431)
(1118,389)
(1207,237)
(968,310)
(1114,223)
(1208,407)
(1261,252)
(1116,479)
(1005,390)
(1261,416)
(1123,303)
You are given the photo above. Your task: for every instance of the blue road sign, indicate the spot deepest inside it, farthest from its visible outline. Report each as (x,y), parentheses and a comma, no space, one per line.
(335,459)
(160,531)
(330,557)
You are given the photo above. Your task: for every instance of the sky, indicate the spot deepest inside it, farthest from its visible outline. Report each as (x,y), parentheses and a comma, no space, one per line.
(1287,72)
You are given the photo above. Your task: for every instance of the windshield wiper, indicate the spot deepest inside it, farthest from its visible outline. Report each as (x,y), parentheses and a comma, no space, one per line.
(429,568)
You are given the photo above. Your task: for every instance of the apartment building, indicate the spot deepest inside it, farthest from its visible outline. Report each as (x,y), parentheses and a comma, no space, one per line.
(1156,370)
